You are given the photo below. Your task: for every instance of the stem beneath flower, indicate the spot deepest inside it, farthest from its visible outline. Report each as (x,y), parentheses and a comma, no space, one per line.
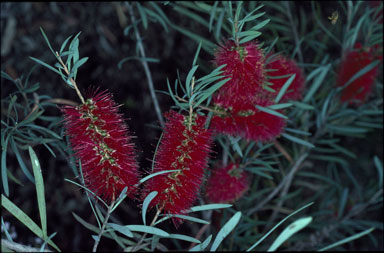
(71,80)
(151,225)
(109,211)
(190,106)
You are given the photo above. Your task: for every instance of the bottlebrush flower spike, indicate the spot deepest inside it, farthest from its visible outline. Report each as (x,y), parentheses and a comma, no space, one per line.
(284,66)
(227,184)
(245,120)
(99,138)
(181,149)
(245,67)
(353,61)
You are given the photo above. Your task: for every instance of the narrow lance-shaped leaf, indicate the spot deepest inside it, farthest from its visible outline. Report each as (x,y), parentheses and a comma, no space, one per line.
(225,230)
(39,182)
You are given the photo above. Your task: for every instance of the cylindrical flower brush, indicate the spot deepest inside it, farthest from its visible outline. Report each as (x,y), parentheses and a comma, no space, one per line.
(180,149)
(100,139)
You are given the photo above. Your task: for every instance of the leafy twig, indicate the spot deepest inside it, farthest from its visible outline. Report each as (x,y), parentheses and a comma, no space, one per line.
(152,223)
(285,181)
(103,226)
(71,80)
(146,67)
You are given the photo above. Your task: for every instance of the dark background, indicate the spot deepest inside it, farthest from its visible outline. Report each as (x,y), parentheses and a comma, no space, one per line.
(103,41)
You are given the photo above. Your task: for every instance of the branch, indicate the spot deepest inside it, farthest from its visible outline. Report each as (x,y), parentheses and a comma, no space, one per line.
(146,67)
(103,227)
(286,180)
(20,247)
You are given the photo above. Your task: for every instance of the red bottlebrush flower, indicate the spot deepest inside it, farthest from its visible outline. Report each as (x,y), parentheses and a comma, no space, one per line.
(227,184)
(284,66)
(185,150)
(245,67)
(352,62)
(246,121)
(99,138)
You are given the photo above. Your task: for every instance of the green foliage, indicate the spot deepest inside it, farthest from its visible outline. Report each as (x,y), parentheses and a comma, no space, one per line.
(327,154)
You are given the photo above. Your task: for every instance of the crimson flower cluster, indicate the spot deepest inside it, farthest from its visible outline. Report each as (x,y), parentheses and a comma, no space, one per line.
(235,102)
(100,139)
(236,109)
(227,184)
(353,61)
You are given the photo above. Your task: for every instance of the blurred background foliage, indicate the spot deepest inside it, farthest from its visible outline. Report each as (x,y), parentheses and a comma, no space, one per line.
(345,189)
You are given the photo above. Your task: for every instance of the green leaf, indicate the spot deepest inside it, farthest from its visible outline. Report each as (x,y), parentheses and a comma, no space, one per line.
(293,228)
(76,66)
(346,129)
(272,112)
(296,131)
(279,106)
(39,182)
(4,177)
(261,24)
(203,245)
(247,33)
(348,239)
(225,230)
(46,40)
(238,10)
(189,78)
(209,92)
(197,54)
(86,224)
(146,202)
(157,17)
(142,15)
(212,15)
(303,105)
(219,25)
(183,237)
(258,171)
(297,140)
(122,229)
(20,160)
(147,229)
(343,202)
(317,82)
(208,207)
(253,17)
(156,174)
(379,167)
(85,188)
(284,88)
(23,218)
(278,224)
(64,44)
(249,38)
(45,65)
(185,217)
(122,196)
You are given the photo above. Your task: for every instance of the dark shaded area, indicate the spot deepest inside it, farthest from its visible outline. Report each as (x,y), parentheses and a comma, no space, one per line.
(103,41)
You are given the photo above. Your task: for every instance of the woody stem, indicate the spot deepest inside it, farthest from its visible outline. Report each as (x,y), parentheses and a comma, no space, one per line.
(110,207)
(152,223)
(71,80)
